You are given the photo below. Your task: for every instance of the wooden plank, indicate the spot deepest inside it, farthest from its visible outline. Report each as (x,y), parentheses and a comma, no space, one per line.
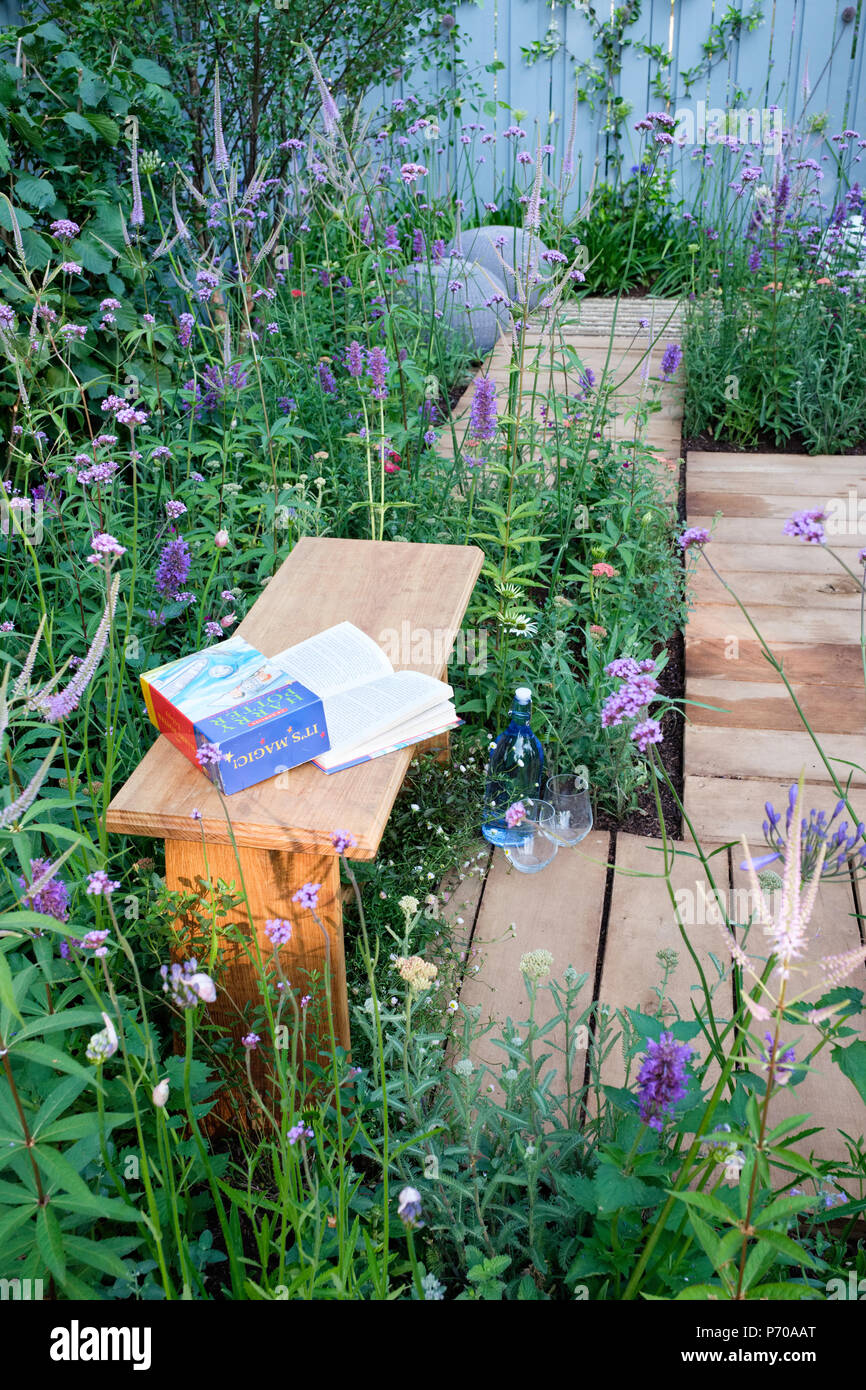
(738,705)
(723,808)
(705,499)
(735,557)
(379,586)
(822,485)
(642,922)
(781,464)
(776,624)
(821,663)
(558,910)
(770,753)
(752,588)
(752,528)
(824,1092)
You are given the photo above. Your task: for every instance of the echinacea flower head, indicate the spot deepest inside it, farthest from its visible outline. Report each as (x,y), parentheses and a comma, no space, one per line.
(661,1080)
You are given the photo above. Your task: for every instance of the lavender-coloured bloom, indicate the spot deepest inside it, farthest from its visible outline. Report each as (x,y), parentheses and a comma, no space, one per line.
(136,216)
(104,545)
(694,535)
(377,369)
(392,238)
(100,885)
(250,1041)
(186,323)
(355,359)
(755,259)
(308,896)
(482,415)
(208,754)
(173,568)
(661,1081)
(186,985)
(278,931)
(298,1132)
(45,893)
(807,526)
(671,359)
(409,1208)
(647,732)
(64,229)
(175,509)
(326,377)
(343,840)
(220,154)
(783,1061)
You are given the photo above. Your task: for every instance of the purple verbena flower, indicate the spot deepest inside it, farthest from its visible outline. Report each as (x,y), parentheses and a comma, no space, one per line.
(807,526)
(278,931)
(308,896)
(173,568)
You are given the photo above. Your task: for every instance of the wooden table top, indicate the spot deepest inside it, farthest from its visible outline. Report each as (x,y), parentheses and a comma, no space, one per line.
(377,585)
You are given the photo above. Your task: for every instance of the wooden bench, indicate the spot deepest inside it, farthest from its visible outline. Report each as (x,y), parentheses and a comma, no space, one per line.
(282,827)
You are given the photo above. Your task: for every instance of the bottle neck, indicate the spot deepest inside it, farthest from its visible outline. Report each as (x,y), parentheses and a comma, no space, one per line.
(521,713)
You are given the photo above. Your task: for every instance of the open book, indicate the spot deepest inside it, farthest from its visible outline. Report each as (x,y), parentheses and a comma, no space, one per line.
(370,708)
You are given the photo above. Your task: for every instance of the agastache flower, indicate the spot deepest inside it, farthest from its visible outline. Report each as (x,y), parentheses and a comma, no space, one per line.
(661,1080)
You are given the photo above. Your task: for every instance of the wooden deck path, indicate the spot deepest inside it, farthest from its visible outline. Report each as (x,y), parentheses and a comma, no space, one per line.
(586,329)
(603,907)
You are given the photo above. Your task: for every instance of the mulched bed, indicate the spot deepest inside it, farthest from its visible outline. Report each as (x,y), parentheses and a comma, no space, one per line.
(765,444)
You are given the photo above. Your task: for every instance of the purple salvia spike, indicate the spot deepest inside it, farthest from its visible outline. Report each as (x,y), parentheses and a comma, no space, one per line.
(220,153)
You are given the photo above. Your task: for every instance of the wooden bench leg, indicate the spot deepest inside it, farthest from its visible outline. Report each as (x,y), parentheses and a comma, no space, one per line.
(270,878)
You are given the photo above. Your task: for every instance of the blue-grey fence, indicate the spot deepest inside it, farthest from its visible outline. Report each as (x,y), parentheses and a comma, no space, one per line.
(803,56)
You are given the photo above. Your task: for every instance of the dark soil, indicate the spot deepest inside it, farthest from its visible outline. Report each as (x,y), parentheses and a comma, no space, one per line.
(765,444)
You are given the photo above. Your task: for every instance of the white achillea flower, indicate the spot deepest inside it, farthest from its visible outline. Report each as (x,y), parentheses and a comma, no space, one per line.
(535,965)
(465,1067)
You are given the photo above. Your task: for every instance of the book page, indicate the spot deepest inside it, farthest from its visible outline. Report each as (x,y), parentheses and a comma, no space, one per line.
(355,716)
(335,660)
(414,730)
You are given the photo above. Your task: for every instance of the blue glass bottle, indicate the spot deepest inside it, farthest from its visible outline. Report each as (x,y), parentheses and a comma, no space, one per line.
(514,771)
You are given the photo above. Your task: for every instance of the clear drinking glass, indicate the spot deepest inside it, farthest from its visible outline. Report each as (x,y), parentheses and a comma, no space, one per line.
(537,847)
(569,797)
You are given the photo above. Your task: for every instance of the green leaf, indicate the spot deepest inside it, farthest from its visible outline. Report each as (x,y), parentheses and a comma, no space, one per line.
(616,1190)
(782,1208)
(789,1247)
(49,1242)
(104,126)
(794,1292)
(38,193)
(711,1205)
(7,989)
(151,72)
(97,1256)
(91,255)
(851,1061)
(60,1097)
(60,1172)
(54,1057)
(78,1016)
(702,1292)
